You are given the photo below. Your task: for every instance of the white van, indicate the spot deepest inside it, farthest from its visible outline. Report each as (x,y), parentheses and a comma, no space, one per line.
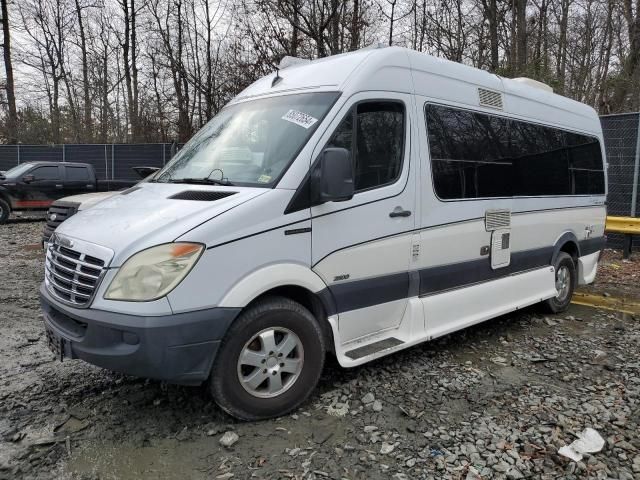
(357,204)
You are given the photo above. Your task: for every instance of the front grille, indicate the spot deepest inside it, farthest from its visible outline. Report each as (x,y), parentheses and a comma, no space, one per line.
(72,276)
(58,213)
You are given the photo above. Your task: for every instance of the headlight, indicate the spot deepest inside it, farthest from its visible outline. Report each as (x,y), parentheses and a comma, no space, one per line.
(152,273)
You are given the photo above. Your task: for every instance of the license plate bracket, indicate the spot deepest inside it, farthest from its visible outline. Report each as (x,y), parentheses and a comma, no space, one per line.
(56,345)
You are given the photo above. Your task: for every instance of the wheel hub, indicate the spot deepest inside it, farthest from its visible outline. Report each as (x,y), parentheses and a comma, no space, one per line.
(563,283)
(270,362)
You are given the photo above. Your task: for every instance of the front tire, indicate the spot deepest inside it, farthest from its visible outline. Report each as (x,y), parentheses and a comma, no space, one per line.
(566,279)
(269,361)
(5,210)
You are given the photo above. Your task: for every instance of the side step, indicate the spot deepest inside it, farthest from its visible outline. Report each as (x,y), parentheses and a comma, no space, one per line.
(372,348)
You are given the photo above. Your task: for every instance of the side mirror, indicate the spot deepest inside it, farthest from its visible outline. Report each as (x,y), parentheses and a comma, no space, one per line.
(334,181)
(28,178)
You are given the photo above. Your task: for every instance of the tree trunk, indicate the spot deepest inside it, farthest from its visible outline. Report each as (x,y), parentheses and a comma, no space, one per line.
(521,35)
(562,46)
(355,26)
(626,96)
(12,124)
(491,13)
(88,127)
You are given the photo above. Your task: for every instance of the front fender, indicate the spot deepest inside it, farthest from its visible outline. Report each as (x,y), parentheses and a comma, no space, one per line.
(268,278)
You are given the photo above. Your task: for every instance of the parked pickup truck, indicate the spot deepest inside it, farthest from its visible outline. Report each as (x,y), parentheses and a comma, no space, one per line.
(34,186)
(62,209)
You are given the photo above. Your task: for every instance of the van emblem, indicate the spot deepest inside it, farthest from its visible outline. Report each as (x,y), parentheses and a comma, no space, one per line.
(53,217)
(344,276)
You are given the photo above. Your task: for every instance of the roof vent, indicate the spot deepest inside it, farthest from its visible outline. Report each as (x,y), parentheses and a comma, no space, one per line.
(289,61)
(489,98)
(533,83)
(201,195)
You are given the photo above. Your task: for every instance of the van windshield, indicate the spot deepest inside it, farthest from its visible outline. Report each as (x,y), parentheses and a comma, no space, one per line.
(250,143)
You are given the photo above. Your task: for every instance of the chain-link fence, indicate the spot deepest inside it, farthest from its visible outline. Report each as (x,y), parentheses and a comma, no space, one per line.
(111,161)
(622,142)
(114,161)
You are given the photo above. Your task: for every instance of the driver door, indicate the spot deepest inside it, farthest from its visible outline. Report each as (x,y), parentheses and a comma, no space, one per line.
(361,247)
(45,187)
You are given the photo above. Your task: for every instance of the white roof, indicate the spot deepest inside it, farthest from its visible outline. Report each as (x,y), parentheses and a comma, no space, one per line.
(436,79)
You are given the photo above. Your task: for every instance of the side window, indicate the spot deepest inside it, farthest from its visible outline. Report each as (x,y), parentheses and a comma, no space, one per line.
(540,161)
(374,134)
(77,174)
(585,164)
(470,153)
(475,155)
(45,173)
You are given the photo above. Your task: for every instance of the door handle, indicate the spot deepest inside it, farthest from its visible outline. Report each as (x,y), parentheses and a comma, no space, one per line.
(58,185)
(400,212)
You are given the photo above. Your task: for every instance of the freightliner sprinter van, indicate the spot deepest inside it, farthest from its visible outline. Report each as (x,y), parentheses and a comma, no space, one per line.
(357,204)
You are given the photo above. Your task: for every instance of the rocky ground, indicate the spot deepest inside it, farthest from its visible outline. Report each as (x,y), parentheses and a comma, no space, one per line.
(494,401)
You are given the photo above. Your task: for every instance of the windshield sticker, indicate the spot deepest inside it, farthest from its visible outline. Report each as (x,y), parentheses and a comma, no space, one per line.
(299,118)
(264,179)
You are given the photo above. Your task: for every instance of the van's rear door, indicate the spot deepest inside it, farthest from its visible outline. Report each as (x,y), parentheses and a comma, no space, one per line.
(361,247)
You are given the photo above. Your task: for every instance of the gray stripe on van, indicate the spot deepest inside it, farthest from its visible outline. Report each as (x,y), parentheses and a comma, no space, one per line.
(368,292)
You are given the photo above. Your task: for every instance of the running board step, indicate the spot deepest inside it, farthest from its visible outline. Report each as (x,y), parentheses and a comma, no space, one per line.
(372,348)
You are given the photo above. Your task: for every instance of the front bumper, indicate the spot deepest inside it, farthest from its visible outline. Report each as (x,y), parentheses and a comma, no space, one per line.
(177,348)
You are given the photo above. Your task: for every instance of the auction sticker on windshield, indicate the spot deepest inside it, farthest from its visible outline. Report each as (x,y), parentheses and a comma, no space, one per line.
(299,118)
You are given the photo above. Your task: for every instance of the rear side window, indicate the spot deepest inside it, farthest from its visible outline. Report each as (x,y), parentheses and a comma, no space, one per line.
(475,155)
(78,174)
(374,134)
(45,173)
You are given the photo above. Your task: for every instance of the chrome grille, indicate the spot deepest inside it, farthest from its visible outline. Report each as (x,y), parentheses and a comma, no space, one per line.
(70,275)
(58,213)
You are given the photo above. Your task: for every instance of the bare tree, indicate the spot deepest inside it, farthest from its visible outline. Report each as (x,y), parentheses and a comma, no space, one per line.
(12,117)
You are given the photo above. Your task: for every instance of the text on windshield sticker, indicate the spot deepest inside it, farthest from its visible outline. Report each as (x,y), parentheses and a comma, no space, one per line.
(299,118)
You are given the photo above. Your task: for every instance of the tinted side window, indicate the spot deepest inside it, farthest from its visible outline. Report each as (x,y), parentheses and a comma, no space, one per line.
(540,161)
(45,173)
(374,134)
(78,174)
(475,155)
(585,164)
(470,153)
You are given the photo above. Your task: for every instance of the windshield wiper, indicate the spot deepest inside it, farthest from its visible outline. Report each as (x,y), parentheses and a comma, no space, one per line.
(201,181)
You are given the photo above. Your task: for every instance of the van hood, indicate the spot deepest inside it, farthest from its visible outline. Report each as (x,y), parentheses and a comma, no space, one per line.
(88,200)
(146,215)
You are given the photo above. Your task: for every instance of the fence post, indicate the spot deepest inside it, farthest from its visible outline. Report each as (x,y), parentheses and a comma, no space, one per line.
(64,153)
(636,167)
(112,163)
(106,163)
(18,154)
(164,153)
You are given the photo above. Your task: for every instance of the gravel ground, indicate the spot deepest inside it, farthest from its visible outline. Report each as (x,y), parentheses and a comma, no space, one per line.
(494,401)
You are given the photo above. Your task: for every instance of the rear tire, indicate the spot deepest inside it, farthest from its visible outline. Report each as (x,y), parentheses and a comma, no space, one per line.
(566,279)
(5,210)
(269,361)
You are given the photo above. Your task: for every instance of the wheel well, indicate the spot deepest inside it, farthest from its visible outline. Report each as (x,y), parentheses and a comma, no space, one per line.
(6,199)
(307,299)
(572,249)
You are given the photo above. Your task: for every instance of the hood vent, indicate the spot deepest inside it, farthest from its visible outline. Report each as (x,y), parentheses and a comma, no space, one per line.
(489,98)
(201,195)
